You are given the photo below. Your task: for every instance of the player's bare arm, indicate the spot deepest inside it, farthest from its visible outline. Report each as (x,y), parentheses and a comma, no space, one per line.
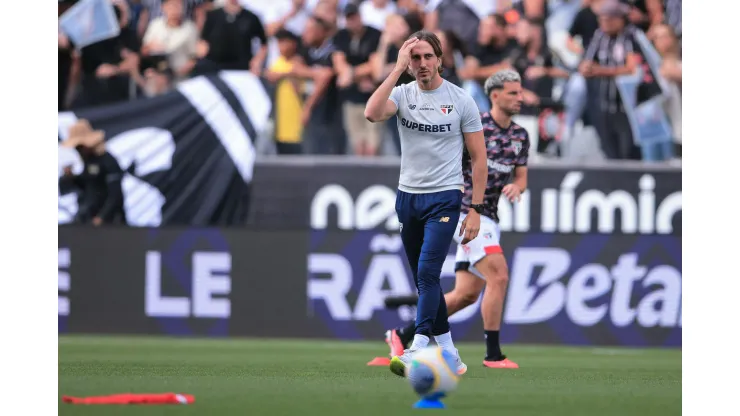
(379,107)
(476,145)
(514,190)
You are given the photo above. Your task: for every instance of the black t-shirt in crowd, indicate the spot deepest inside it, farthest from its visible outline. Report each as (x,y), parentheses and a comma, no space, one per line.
(450,74)
(327,107)
(108,51)
(391,57)
(584,25)
(491,55)
(541,86)
(98,91)
(358,52)
(230,37)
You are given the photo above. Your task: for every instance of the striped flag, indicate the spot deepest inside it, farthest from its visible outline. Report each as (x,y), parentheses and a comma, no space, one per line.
(187,155)
(643,97)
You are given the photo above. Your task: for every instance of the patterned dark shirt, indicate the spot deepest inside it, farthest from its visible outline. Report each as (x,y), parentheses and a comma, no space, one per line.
(506,149)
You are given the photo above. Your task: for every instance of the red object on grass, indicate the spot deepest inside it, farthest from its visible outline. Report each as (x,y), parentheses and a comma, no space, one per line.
(131,398)
(379,362)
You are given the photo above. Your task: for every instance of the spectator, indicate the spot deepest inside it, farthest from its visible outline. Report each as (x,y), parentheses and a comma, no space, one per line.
(194,10)
(375,12)
(227,40)
(666,11)
(580,93)
(290,15)
(172,38)
(64,62)
(397,30)
(638,14)
(612,53)
(106,65)
(536,11)
(560,17)
(355,44)
(139,17)
(288,94)
(100,197)
(584,26)
(461,17)
(491,54)
(452,52)
(535,66)
(327,10)
(672,10)
(156,80)
(323,132)
(411,8)
(666,43)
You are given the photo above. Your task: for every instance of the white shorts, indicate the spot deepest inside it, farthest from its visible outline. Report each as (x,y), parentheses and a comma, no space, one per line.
(487,242)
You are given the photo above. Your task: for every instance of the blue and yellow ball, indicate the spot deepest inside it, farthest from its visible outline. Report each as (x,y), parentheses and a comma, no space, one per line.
(432,372)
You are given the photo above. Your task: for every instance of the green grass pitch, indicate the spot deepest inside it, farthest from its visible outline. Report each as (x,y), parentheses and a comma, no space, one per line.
(330,378)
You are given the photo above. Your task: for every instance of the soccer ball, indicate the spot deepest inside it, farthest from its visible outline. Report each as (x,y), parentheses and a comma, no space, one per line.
(432,372)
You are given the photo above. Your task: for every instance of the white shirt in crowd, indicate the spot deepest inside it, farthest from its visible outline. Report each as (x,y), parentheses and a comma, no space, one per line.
(374,16)
(264,9)
(179,42)
(281,8)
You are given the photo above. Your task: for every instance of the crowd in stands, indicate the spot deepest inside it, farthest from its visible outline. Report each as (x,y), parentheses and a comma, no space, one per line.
(321,60)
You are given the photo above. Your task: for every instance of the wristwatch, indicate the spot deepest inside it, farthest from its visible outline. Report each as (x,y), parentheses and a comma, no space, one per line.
(477,208)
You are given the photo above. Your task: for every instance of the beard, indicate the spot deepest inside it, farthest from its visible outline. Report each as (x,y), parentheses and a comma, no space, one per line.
(510,111)
(425,77)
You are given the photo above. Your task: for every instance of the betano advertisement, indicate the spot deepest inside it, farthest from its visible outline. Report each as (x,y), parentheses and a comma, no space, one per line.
(594,259)
(569,289)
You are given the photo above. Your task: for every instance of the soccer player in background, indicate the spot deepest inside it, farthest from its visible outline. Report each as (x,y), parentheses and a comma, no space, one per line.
(481,262)
(436,120)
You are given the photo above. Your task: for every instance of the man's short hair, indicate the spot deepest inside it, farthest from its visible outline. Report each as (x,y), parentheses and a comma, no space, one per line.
(323,23)
(497,80)
(286,34)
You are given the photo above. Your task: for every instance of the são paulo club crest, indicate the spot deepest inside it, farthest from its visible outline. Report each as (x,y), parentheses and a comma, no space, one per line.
(517,145)
(446,109)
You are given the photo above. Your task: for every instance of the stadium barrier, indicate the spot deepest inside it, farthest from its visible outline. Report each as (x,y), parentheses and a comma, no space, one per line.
(594,257)
(335,193)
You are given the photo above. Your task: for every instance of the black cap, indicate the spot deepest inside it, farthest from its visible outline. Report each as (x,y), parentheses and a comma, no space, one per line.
(351,9)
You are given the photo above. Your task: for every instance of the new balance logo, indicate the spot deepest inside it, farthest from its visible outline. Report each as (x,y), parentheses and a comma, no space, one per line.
(444,219)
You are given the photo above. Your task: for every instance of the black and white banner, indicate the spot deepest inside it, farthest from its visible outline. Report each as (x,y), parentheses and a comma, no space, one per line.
(188,155)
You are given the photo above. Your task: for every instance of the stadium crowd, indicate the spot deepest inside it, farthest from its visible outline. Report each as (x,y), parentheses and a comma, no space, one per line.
(321,60)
